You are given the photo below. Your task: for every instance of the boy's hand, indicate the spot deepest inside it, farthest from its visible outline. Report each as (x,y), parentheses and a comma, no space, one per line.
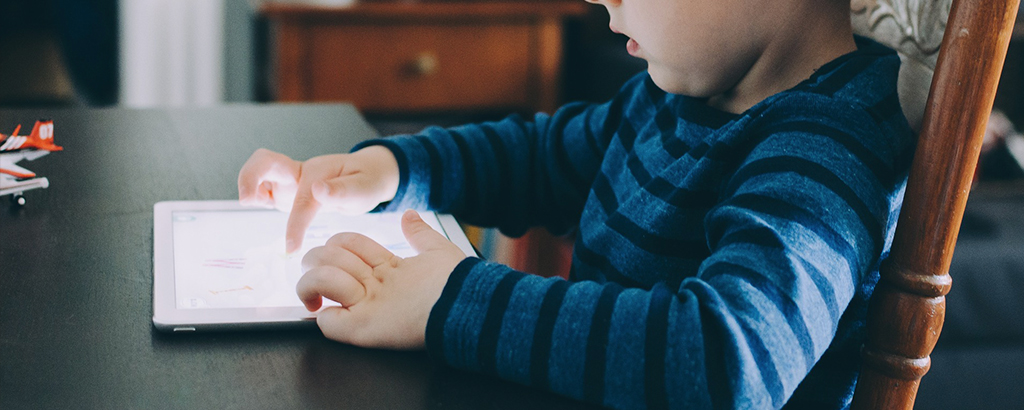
(351,183)
(385,300)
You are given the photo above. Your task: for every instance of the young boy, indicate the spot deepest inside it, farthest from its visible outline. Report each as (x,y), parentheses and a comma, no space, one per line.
(731,207)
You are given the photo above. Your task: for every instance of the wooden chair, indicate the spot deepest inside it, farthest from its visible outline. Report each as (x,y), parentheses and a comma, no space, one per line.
(908,306)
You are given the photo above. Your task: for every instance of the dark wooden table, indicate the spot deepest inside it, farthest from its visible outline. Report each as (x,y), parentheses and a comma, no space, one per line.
(76,278)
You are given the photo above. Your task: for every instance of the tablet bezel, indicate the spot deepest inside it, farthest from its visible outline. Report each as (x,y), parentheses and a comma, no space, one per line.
(168,318)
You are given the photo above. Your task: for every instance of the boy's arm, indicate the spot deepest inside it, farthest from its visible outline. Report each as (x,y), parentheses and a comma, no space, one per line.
(514,173)
(802,223)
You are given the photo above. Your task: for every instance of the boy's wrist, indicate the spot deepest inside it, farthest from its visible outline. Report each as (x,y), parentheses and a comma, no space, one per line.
(398,148)
(383,161)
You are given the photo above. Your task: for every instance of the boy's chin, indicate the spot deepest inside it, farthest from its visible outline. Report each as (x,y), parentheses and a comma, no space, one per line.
(670,82)
(676,83)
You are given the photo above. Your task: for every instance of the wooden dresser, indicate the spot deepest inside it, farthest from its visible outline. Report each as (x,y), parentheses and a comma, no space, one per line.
(421,56)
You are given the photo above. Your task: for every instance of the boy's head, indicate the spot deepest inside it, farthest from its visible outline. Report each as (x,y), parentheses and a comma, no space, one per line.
(708,48)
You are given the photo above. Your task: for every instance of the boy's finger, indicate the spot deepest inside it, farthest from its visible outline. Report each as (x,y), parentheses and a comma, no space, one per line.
(303,211)
(421,236)
(368,250)
(340,258)
(249,177)
(262,166)
(261,196)
(347,193)
(329,282)
(337,324)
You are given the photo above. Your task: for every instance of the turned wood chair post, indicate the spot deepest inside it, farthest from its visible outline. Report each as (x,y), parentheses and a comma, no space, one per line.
(908,305)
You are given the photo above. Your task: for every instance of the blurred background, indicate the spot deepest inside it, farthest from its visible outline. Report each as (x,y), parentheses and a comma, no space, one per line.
(151,53)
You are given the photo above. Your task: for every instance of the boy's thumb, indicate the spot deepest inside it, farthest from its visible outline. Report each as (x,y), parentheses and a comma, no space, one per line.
(421,236)
(329,192)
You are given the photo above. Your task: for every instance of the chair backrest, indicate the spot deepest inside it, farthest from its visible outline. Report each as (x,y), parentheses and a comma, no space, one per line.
(965,43)
(914,29)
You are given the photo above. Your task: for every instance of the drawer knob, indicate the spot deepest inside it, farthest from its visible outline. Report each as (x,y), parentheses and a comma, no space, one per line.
(425,64)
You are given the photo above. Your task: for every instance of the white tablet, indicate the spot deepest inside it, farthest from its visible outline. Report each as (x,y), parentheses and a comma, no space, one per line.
(218,265)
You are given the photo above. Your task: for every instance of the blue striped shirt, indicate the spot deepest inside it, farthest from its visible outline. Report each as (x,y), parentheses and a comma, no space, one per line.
(721,260)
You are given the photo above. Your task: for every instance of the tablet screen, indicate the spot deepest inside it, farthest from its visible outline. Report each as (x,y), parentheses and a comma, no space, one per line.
(236,259)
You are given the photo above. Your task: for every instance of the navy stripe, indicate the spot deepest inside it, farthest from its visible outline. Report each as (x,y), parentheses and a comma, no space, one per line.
(817,173)
(800,216)
(842,76)
(503,186)
(588,134)
(682,198)
(716,338)
(604,194)
(436,172)
(757,235)
(600,263)
(885,108)
(656,244)
(765,364)
(434,337)
(779,298)
(627,135)
(613,117)
(566,167)
(676,147)
(824,288)
(697,112)
(654,347)
(903,161)
(545,208)
(470,191)
(879,168)
(636,169)
(728,154)
(490,331)
(540,353)
(698,151)
(597,344)
(667,123)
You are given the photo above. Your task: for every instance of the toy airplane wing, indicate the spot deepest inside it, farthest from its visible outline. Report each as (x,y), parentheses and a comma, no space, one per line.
(7,167)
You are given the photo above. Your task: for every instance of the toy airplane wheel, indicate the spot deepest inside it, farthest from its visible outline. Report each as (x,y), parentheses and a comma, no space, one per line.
(18,199)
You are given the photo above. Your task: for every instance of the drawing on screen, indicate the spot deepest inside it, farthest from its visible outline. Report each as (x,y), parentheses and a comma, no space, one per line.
(241,289)
(229,263)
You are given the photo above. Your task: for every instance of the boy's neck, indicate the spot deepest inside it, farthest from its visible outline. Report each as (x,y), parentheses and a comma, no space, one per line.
(801,47)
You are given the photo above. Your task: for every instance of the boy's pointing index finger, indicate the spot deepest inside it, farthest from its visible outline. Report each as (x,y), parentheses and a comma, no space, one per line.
(303,211)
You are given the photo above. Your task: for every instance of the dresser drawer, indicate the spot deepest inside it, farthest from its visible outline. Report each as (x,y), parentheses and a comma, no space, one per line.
(407,57)
(421,67)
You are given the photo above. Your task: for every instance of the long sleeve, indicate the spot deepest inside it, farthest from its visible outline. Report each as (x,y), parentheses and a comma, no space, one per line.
(512,174)
(800,225)
(721,260)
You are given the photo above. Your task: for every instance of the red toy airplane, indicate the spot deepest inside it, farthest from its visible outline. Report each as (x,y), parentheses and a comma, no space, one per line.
(15,180)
